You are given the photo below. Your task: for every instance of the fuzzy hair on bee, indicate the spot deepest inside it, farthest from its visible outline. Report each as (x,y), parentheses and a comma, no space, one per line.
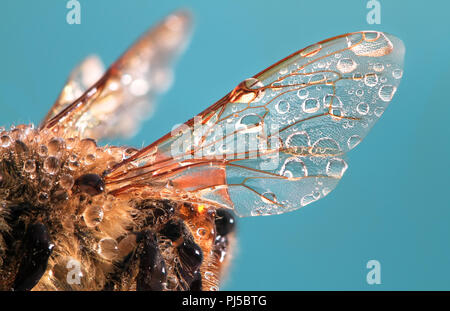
(76,215)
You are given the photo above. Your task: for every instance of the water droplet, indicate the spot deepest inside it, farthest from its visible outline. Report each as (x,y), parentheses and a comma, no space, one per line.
(29,166)
(378,111)
(371,79)
(255,84)
(201,232)
(209,275)
(357,76)
(42,197)
(378,67)
(282,106)
(73,157)
(298,139)
(359,93)
(309,198)
(6,141)
(73,166)
(55,146)
(336,167)
(294,167)
(88,145)
(108,248)
(51,165)
(303,93)
(386,92)
(42,150)
(59,196)
(269,197)
(89,159)
(310,105)
(311,50)
(91,184)
(362,108)
(397,73)
(127,153)
(93,215)
(283,71)
(346,65)
(353,141)
(70,143)
(46,184)
(66,182)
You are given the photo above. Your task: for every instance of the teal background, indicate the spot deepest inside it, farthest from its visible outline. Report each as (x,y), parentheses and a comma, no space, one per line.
(392,204)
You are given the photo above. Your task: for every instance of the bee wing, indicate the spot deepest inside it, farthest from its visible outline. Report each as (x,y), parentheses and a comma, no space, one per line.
(84,75)
(126,93)
(277,141)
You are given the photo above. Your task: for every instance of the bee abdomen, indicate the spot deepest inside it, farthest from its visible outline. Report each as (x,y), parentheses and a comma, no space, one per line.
(152,267)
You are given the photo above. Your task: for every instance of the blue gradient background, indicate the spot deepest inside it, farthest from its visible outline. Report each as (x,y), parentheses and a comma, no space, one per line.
(392,204)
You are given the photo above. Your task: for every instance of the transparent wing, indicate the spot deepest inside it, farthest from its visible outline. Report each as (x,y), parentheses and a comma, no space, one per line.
(116,103)
(89,71)
(277,141)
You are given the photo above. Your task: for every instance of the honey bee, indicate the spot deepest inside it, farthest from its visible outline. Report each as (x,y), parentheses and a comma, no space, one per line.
(78,216)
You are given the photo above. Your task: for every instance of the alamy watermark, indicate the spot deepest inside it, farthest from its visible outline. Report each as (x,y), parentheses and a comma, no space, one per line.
(74,273)
(374,274)
(374,14)
(74,14)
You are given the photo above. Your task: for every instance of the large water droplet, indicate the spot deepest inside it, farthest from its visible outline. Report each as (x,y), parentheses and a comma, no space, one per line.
(311,50)
(93,215)
(303,93)
(362,108)
(353,141)
(5,141)
(88,145)
(294,167)
(55,146)
(66,181)
(89,159)
(336,167)
(311,105)
(346,65)
(108,248)
(371,79)
(282,106)
(29,166)
(386,92)
(268,197)
(46,184)
(42,150)
(51,165)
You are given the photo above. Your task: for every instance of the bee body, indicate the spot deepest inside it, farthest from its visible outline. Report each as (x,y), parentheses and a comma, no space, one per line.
(111,241)
(76,216)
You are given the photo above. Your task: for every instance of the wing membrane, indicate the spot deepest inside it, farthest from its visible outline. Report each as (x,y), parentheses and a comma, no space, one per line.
(278,140)
(89,71)
(126,93)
